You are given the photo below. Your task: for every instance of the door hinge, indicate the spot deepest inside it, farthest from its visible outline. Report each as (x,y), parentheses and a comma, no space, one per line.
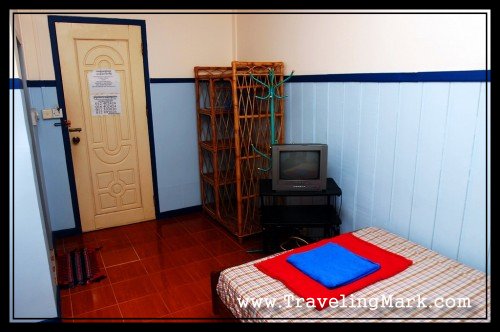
(142,48)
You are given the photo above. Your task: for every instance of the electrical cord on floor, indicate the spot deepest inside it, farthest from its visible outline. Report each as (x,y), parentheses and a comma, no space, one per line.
(297,240)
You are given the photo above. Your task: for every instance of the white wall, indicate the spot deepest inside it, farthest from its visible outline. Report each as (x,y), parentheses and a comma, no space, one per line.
(31,289)
(369,43)
(307,43)
(176,42)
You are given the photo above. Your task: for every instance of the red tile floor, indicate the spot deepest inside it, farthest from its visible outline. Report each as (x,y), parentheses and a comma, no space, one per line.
(154,269)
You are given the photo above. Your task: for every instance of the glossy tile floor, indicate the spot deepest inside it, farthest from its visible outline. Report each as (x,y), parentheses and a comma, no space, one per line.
(154,269)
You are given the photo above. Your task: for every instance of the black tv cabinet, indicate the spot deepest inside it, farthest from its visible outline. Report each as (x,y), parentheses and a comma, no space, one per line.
(278,218)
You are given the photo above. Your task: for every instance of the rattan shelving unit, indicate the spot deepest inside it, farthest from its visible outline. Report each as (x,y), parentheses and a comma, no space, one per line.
(229,120)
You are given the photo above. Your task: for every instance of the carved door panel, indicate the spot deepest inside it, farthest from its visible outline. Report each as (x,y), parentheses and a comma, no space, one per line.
(111,154)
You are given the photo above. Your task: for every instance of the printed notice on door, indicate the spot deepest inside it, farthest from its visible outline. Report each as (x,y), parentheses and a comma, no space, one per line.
(104,92)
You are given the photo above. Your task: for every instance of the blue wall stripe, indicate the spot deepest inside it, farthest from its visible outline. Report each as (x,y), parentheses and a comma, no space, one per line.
(46,83)
(15,83)
(171,80)
(41,83)
(438,76)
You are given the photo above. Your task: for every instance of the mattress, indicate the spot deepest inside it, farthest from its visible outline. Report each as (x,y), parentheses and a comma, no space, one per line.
(434,288)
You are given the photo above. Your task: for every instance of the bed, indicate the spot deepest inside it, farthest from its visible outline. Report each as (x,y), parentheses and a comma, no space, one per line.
(444,285)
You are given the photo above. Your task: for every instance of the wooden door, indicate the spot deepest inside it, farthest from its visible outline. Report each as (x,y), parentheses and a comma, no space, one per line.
(111,161)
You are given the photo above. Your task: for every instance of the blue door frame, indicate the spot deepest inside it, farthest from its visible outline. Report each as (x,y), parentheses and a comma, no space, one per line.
(52,19)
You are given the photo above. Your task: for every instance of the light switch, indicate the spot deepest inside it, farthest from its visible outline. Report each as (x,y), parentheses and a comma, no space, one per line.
(57,113)
(47,114)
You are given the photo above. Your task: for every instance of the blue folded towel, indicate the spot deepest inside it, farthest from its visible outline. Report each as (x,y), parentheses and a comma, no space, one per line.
(332,265)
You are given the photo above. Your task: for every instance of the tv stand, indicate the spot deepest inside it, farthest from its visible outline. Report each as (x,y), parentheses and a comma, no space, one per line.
(278,218)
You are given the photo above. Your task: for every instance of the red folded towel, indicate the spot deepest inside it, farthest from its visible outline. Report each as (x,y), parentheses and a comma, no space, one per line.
(306,287)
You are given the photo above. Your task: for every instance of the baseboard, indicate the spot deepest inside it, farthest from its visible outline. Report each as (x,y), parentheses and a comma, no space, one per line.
(178,212)
(65,232)
(161,215)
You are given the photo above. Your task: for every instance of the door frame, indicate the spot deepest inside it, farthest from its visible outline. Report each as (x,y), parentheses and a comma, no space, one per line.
(52,20)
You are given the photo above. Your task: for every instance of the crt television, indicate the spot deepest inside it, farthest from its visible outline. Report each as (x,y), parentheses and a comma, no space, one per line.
(299,167)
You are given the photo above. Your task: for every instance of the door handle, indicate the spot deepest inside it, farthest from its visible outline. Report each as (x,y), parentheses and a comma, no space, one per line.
(71,130)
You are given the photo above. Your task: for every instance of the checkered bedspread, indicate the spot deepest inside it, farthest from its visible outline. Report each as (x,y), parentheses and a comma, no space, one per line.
(434,288)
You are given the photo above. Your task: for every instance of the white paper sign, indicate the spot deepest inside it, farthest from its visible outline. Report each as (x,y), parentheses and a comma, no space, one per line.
(104,91)
(105,104)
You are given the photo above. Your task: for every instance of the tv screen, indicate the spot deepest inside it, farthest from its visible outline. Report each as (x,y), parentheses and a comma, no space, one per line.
(299,165)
